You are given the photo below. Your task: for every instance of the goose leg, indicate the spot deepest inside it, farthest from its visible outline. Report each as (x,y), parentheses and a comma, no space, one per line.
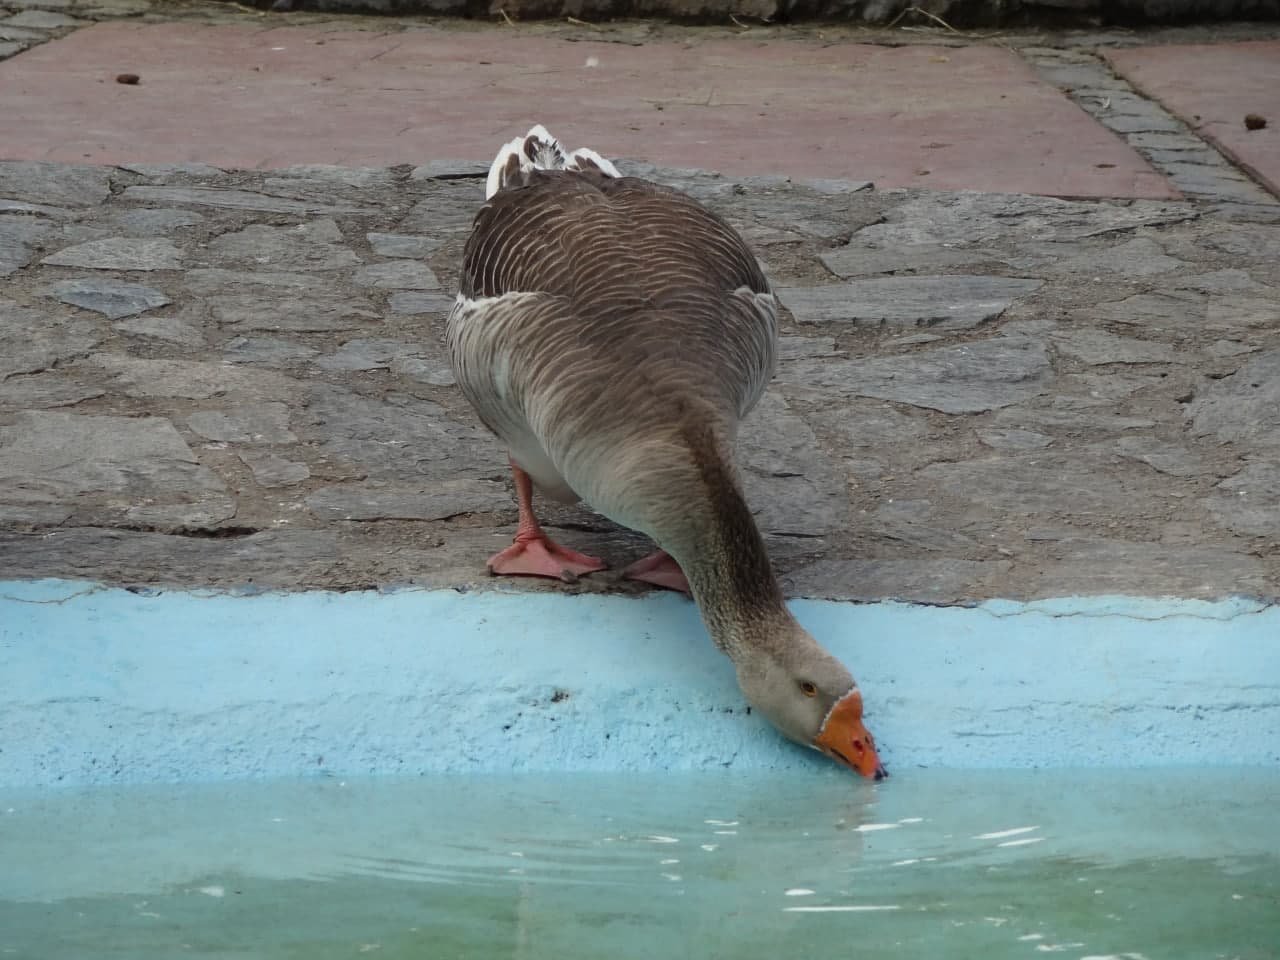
(660,569)
(533,553)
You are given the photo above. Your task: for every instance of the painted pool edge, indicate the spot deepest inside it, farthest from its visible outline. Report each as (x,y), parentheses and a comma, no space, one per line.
(106,685)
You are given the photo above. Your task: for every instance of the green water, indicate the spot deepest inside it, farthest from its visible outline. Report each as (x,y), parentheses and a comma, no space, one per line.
(1162,865)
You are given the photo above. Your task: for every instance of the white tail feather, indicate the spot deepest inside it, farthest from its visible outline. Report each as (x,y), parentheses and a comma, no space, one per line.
(538,150)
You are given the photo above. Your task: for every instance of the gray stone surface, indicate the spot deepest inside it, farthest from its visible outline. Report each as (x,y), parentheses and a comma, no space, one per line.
(266,350)
(1249,502)
(978,218)
(45,390)
(1094,346)
(168,329)
(274,558)
(402,245)
(233,200)
(977,376)
(41,20)
(64,458)
(273,470)
(416,303)
(18,239)
(54,184)
(1247,240)
(1042,482)
(163,171)
(1176,460)
(154,223)
(368,354)
(111,298)
(249,423)
(440,501)
(290,178)
(285,310)
(396,437)
(1139,257)
(450,169)
(1244,407)
(119,253)
(20,35)
(1012,439)
(788,476)
(864,260)
(31,340)
(919,580)
(315,245)
(291,418)
(436,371)
(190,379)
(797,348)
(398,275)
(950,302)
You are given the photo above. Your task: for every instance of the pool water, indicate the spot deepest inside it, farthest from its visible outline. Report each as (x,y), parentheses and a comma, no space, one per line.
(1155,864)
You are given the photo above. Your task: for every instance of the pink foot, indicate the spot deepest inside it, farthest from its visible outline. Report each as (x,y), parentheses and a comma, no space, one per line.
(659,569)
(541,557)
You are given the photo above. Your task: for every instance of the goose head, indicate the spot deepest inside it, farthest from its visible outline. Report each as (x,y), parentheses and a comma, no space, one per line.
(811,698)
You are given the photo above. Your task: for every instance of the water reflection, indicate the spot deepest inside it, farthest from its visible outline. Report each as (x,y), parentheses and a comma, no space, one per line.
(931,865)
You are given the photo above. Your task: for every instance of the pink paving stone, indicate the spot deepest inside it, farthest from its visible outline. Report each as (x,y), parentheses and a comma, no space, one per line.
(1212,87)
(967,118)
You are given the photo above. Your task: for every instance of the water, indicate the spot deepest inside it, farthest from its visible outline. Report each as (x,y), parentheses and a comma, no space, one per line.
(1162,865)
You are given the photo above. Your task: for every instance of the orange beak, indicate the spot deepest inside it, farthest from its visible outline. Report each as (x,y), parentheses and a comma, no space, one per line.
(844,738)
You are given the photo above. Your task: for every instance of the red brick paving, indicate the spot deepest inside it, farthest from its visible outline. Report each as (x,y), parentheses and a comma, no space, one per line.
(955,118)
(1211,88)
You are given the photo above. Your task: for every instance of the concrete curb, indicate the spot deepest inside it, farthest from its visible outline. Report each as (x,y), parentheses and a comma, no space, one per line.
(115,686)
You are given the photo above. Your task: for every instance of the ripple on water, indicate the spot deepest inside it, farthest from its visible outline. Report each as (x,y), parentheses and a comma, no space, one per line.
(631,868)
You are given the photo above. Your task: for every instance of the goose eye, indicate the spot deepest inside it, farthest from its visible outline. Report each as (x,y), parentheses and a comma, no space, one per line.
(808,689)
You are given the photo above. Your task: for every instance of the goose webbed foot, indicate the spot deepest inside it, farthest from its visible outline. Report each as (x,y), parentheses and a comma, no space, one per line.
(533,553)
(536,555)
(660,569)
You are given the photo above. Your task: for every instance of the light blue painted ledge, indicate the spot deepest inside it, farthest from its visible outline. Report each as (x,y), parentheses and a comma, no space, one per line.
(103,685)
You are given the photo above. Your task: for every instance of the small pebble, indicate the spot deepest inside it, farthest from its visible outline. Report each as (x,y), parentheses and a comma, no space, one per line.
(130,79)
(1254,121)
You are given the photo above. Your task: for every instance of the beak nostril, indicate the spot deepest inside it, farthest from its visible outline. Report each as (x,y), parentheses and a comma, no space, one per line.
(857,745)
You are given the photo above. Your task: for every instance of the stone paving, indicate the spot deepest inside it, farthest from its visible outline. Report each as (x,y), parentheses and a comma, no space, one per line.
(238,378)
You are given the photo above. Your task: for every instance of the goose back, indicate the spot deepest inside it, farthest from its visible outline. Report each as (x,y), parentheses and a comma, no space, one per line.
(598,317)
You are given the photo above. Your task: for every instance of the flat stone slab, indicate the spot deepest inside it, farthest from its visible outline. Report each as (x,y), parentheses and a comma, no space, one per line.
(978,376)
(950,302)
(1080,399)
(315,245)
(33,340)
(111,298)
(57,184)
(18,239)
(1244,406)
(119,253)
(941,117)
(1232,81)
(249,423)
(449,498)
(104,466)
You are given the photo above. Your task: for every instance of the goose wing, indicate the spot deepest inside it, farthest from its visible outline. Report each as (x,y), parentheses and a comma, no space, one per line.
(629,275)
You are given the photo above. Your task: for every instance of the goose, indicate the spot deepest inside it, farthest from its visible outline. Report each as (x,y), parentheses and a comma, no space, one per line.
(613,332)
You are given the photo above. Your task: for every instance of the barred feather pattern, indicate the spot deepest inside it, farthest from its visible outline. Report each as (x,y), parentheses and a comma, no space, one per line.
(613,332)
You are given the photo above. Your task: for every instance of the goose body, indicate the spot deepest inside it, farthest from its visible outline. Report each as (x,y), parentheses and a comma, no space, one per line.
(613,333)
